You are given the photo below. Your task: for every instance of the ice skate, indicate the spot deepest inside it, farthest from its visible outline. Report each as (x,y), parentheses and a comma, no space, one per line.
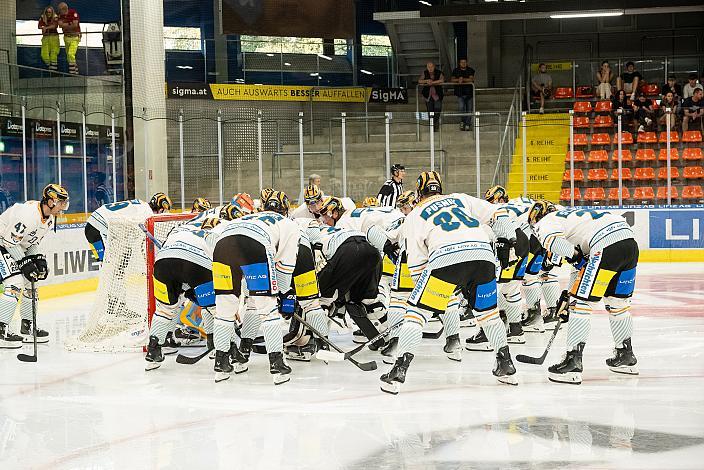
(533,323)
(478,342)
(239,363)
(504,370)
(550,319)
(222,368)
(624,361)
(452,348)
(27,335)
(388,352)
(9,340)
(515,334)
(154,356)
(392,380)
(280,372)
(568,371)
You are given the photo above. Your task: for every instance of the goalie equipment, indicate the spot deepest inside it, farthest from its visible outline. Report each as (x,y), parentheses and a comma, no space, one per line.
(160,202)
(496,194)
(244,202)
(200,204)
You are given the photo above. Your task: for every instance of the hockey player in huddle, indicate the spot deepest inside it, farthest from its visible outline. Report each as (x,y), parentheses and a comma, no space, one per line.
(603,249)
(260,248)
(96,230)
(313,199)
(370,201)
(200,205)
(22,228)
(447,251)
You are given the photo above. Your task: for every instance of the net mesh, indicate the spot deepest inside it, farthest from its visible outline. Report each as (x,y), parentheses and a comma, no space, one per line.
(119,318)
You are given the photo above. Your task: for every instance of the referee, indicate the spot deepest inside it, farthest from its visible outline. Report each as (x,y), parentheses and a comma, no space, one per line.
(392,189)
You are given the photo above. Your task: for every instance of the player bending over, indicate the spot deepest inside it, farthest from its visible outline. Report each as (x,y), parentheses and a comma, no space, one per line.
(200,205)
(447,251)
(22,228)
(603,248)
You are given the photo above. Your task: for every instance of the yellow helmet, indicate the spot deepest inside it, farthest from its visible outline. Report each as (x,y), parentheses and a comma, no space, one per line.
(538,210)
(209,223)
(231,212)
(56,193)
(331,204)
(496,194)
(278,202)
(201,204)
(370,201)
(265,194)
(160,201)
(407,198)
(429,182)
(312,194)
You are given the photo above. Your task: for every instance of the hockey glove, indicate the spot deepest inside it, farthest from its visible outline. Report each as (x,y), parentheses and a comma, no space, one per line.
(29,269)
(522,245)
(391,250)
(287,304)
(42,267)
(563,306)
(578,259)
(503,252)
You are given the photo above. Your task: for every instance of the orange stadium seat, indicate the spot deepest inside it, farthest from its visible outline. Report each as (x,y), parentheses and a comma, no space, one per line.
(674,173)
(643,193)
(565,194)
(580,139)
(647,138)
(626,138)
(644,174)
(625,174)
(583,107)
(562,93)
(691,137)
(581,122)
(603,121)
(594,194)
(597,174)
(625,155)
(584,92)
(578,156)
(674,155)
(598,156)
(578,175)
(674,137)
(613,193)
(693,193)
(602,107)
(692,153)
(662,193)
(693,172)
(645,155)
(650,89)
(601,139)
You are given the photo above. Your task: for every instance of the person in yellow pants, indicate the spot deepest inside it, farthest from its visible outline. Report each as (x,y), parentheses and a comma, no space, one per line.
(71,27)
(49,23)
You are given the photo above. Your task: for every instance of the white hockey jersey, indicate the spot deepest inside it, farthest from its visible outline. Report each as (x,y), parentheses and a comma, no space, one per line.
(302,212)
(187,242)
(330,238)
(134,209)
(440,232)
(364,218)
(278,233)
(560,231)
(493,215)
(22,227)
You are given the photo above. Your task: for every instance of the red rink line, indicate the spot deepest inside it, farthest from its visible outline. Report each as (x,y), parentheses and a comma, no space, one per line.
(80,453)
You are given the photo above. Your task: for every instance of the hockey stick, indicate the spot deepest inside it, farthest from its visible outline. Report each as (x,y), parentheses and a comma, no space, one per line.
(436,335)
(183,359)
(539,360)
(365,366)
(27,357)
(340,356)
(156,242)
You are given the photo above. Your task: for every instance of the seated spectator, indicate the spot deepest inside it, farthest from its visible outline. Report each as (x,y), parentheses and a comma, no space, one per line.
(669,101)
(692,84)
(672,86)
(643,112)
(620,104)
(541,85)
(629,80)
(693,111)
(604,78)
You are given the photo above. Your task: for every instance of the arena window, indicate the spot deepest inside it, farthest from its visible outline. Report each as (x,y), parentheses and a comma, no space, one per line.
(182,39)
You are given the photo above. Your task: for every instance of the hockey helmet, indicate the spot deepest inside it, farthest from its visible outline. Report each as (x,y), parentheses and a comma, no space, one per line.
(231,212)
(538,210)
(278,202)
(265,194)
(312,194)
(56,193)
(201,204)
(244,201)
(370,201)
(429,182)
(396,167)
(407,198)
(331,204)
(496,194)
(209,223)
(160,202)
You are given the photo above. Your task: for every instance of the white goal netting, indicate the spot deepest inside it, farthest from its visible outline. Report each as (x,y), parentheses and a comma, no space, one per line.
(118,320)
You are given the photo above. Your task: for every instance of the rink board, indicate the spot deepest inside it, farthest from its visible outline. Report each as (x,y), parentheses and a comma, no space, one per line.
(664,234)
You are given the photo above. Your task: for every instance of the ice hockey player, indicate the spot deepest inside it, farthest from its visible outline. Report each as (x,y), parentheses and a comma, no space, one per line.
(262,249)
(96,230)
(244,201)
(313,199)
(182,268)
(22,228)
(370,201)
(603,248)
(200,205)
(447,250)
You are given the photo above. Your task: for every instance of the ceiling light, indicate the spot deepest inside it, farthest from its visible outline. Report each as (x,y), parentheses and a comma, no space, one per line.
(184,67)
(587,14)
(314,74)
(269,54)
(287,64)
(425,3)
(366,72)
(323,56)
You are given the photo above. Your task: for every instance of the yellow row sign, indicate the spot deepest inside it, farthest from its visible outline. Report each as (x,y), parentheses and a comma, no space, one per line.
(553,66)
(289,93)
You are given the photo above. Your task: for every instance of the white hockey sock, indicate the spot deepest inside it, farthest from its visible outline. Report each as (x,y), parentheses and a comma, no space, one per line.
(409,337)
(272,335)
(511,293)
(620,319)
(7,307)
(250,324)
(579,324)
(531,290)
(207,321)
(160,326)
(493,328)
(26,308)
(318,320)
(397,309)
(222,333)
(451,318)
(551,290)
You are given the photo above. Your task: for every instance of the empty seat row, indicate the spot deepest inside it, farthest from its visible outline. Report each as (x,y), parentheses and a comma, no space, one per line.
(640,174)
(689,193)
(602,138)
(642,155)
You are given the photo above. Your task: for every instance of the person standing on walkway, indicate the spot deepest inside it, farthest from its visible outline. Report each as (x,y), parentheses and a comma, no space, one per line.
(71,26)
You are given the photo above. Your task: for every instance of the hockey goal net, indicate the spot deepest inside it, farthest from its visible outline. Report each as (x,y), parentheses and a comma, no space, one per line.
(124,302)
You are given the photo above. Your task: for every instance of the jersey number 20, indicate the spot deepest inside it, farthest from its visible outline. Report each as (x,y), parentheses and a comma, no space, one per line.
(446,220)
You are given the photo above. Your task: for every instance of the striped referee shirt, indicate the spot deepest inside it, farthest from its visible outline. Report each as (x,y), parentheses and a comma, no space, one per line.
(389,193)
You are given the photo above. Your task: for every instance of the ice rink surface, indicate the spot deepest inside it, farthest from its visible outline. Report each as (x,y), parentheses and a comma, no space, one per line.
(103,411)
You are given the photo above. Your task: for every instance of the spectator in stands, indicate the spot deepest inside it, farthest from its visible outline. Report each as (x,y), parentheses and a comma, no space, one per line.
(693,111)
(669,101)
(643,112)
(6,199)
(604,79)
(629,80)
(620,104)
(688,90)
(433,79)
(541,85)
(71,26)
(463,75)
(672,86)
(49,24)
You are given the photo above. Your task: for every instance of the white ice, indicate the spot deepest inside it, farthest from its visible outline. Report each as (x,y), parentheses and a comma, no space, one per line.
(103,411)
